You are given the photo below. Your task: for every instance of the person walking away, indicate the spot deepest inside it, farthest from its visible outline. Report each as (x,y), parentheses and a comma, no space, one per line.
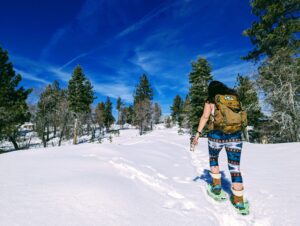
(226,118)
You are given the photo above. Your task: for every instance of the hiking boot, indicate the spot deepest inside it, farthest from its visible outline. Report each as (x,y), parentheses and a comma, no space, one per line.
(237,199)
(216,187)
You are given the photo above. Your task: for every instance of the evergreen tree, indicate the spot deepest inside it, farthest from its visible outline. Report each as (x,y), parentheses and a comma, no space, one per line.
(274,36)
(143,90)
(177,110)
(249,99)
(129,114)
(80,96)
(13,108)
(100,115)
(277,27)
(143,96)
(56,96)
(199,79)
(45,107)
(156,113)
(108,117)
(187,112)
(142,111)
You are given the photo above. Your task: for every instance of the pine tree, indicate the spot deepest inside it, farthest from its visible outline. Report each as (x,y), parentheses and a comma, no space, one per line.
(249,98)
(143,96)
(274,36)
(56,96)
(80,96)
(13,108)
(277,27)
(129,114)
(199,79)
(143,90)
(177,110)
(142,111)
(100,115)
(108,117)
(45,107)
(187,112)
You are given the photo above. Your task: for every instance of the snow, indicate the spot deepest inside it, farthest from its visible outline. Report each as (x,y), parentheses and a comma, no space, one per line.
(144,180)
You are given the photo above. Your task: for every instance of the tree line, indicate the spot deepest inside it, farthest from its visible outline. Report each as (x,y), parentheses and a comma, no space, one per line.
(68,113)
(276,54)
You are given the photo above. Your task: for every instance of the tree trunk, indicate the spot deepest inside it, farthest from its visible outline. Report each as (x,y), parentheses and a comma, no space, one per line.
(93,134)
(62,132)
(141,128)
(54,131)
(246,134)
(48,131)
(118,121)
(12,139)
(75,131)
(88,129)
(44,140)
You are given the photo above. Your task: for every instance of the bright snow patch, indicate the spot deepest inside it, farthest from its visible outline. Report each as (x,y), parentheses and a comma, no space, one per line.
(148,180)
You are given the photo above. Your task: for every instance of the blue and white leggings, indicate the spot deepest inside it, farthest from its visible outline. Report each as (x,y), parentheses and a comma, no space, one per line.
(233,146)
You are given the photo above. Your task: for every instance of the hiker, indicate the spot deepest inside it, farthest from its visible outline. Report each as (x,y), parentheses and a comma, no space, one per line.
(226,119)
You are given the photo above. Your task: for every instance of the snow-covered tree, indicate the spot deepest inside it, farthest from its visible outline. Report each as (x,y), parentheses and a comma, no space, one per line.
(279,78)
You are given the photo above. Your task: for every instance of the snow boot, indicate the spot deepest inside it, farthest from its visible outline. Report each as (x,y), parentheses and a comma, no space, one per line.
(239,203)
(215,189)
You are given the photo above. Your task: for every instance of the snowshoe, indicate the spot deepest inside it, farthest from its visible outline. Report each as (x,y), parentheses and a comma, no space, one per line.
(241,208)
(216,192)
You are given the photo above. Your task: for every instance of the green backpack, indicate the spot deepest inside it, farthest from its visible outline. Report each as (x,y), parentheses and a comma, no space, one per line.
(228,117)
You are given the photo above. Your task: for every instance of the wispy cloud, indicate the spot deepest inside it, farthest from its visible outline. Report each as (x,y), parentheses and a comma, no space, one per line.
(73,60)
(149,61)
(229,73)
(53,41)
(152,14)
(85,13)
(114,90)
(37,71)
(31,77)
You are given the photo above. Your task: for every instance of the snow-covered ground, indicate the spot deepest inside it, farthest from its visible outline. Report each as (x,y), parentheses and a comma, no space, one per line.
(144,180)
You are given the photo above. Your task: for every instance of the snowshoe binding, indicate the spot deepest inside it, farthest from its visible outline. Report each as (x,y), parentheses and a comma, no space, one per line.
(216,192)
(214,189)
(239,203)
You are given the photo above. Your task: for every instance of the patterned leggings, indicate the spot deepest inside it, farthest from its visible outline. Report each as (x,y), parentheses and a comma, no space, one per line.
(233,146)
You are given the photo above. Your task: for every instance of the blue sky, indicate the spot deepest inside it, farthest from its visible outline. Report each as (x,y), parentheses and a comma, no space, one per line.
(116,41)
